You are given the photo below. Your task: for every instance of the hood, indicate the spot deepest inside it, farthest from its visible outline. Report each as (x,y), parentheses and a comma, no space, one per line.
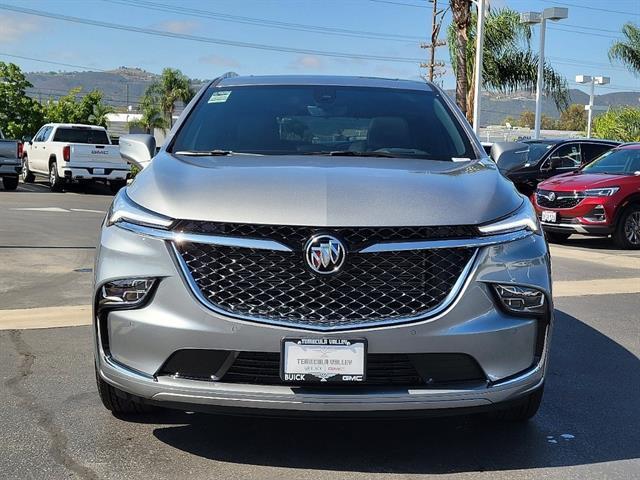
(324,191)
(577,181)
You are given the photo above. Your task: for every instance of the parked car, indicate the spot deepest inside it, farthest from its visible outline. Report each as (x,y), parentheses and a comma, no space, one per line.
(10,165)
(321,244)
(548,158)
(602,198)
(67,153)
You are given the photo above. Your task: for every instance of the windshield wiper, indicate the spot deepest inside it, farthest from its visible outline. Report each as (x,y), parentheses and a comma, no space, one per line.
(211,153)
(350,153)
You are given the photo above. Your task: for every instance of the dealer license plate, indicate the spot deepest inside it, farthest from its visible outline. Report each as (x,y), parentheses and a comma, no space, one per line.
(549,217)
(98,171)
(310,360)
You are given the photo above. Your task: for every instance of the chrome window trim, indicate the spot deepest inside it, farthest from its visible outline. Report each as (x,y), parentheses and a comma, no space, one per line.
(448,300)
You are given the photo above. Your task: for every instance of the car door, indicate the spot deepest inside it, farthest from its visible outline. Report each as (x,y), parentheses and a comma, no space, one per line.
(566,157)
(39,155)
(592,150)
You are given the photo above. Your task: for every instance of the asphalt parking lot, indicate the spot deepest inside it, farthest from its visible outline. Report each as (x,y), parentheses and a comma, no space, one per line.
(52,424)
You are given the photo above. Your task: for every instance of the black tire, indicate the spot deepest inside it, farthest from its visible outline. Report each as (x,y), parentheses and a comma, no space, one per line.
(523,409)
(10,183)
(27,175)
(119,402)
(116,185)
(627,232)
(55,182)
(557,237)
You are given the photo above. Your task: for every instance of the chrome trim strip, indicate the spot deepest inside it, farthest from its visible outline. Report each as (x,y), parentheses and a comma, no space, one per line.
(455,290)
(178,237)
(572,226)
(448,243)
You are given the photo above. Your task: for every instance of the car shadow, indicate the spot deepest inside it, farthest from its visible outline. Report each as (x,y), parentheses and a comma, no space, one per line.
(589,415)
(43,187)
(593,243)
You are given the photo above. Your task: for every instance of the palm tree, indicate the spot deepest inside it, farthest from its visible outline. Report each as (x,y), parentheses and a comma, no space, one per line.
(99,114)
(459,45)
(627,51)
(172,87)
(509,64)
(152,115)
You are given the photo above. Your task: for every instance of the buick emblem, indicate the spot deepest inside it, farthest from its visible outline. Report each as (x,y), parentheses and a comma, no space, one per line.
(552,196)
(324,254)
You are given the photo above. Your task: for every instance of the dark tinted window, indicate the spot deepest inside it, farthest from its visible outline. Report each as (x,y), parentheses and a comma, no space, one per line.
(81,135)
(569,156)
(591,151)
(285,120)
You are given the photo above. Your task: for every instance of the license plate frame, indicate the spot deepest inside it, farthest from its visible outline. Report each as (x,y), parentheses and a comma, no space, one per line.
(98,171)
(336,349)
(549,216)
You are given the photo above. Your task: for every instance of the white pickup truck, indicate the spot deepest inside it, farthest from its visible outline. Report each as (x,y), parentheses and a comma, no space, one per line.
(68,153)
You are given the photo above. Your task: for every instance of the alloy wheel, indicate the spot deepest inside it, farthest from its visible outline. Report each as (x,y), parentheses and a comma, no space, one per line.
(632,228)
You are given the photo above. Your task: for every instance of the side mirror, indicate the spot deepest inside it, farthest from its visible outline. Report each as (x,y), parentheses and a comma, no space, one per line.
(138,149)
(26,139)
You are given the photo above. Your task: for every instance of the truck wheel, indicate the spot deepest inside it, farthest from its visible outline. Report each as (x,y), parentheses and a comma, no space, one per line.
(119,402)
(27,175)
(55,182)
(523,409)
(627,232)
(116,185)
(10,183)
(557,237)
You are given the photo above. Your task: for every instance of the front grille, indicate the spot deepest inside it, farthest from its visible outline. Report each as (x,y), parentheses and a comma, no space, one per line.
(276,286)
(356,238)
(559,202)
(383,369)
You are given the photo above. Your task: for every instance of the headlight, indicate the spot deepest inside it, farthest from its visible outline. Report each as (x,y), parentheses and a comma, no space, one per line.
(522,219)
(123,209)
(601,192)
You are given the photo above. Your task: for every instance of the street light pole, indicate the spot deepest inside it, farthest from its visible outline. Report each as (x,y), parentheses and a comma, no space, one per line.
(540,80)
(592,81)
(478,65)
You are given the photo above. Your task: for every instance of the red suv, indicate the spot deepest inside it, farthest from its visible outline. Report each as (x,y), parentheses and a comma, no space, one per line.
(602,198)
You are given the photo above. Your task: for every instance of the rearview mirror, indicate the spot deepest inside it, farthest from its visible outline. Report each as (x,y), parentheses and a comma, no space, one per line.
(138,149)
(510,156)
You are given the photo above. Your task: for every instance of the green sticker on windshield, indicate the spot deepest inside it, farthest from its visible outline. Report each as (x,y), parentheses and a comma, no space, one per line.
(219,96)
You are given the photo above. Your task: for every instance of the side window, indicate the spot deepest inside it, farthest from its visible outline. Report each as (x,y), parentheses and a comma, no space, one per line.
(591,151)
(46,133)
(38,137)
(569,155)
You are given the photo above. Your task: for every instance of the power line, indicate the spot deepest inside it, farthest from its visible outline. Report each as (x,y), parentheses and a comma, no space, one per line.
(261,22)
(592,34)
(51,62)
(403,4)
(209,40)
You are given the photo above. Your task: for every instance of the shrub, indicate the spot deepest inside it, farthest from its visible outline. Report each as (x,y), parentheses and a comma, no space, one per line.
(622,124)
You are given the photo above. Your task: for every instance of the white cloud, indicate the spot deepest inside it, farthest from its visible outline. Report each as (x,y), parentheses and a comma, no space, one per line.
(219,61)
(307,62)
(178,26)
(13,28)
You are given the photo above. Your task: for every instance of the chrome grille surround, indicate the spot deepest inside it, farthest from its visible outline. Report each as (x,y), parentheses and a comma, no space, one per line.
(560,199)
(374,288)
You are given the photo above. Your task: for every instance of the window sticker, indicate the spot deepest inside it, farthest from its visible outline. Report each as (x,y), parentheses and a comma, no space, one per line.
(219,96)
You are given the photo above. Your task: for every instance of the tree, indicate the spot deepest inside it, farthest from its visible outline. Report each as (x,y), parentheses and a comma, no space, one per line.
(152,115)
(173,86)
(74,108)
(527,119)
(573,118)
(20,115)
(627,51)
(509,64)
(458,34)
(621,124)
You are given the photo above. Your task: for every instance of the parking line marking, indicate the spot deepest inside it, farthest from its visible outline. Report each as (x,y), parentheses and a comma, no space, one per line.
(601,286)
(42,209)
(87,210)
(47,317)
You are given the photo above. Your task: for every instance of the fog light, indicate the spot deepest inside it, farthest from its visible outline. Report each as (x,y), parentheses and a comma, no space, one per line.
(517,299)
(128,292)
(598,214)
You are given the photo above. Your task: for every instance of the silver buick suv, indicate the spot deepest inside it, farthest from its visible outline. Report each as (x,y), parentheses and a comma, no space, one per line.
(309,244)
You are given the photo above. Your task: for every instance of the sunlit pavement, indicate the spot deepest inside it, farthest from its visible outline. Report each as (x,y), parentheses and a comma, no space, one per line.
(52,424)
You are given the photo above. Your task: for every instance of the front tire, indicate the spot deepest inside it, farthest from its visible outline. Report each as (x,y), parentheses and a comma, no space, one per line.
(627,232)
(556,237)
(10,183)
(523,409)
(27,175)
(55,182)
(119,402)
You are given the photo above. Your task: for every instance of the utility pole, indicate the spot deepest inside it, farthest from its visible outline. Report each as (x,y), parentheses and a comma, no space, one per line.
(477,80)
(436,23)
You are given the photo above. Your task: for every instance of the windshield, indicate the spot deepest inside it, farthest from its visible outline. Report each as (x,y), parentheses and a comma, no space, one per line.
(294,120)
(625,161)
(537,150)
(81,135)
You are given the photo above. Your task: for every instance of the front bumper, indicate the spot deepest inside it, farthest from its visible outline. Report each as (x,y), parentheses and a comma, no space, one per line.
(132,345)
(579,219)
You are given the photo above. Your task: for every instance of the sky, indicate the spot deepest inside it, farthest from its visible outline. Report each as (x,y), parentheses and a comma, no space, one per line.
(363,37)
